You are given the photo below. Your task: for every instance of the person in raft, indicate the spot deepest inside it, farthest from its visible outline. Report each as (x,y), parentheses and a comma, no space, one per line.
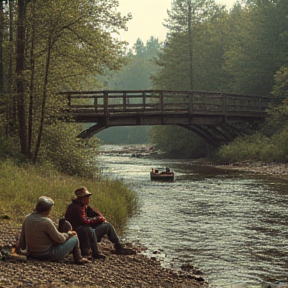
(43,241)
(91,226)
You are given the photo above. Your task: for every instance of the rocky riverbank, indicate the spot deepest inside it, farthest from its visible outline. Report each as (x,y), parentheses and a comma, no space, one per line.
(277,170)
(115,271)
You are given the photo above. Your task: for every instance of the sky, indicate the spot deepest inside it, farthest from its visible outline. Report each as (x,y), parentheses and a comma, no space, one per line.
(148,17)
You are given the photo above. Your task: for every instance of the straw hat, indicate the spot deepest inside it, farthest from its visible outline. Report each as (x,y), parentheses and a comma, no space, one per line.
(82,192)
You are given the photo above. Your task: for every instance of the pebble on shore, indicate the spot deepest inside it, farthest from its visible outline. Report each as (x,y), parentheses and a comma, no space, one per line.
(116,271)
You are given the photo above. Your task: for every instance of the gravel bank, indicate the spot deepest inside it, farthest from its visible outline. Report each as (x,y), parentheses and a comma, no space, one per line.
(116,271)
(277,170)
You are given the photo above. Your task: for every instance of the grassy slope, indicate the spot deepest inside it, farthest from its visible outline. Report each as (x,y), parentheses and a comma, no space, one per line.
(20,188)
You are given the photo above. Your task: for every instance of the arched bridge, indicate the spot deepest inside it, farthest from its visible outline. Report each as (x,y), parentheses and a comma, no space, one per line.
(216,117)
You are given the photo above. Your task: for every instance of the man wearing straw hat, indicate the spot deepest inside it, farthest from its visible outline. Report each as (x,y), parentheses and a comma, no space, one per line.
(92,227)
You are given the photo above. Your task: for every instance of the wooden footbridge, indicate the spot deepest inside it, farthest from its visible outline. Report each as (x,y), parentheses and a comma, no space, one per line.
(216,117)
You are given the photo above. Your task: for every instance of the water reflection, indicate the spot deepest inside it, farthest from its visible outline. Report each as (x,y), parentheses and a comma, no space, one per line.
(231,225)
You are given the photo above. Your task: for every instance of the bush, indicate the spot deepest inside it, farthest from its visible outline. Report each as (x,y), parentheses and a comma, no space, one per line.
(256,147)
(68,154)
(10,149)
(280,143)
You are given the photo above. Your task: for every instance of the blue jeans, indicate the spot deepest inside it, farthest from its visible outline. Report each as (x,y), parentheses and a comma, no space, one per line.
(60,251)
(88,240)
(89,237)
(106,229)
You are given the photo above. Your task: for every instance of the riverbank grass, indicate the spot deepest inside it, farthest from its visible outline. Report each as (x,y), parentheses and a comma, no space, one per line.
(20,188)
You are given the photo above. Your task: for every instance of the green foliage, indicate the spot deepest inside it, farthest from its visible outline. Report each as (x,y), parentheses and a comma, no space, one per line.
(281,148)
(140,65)
(177,142)
(250,148)
(124,135)
(276,120)
(232,52)
(269,144)
(68,154)
(135,75)
(60,149)
(256,47)
(66,44)
(178,16)
(113,199)
(81,41)
(175,73)
(21,187)
(280,88)
(257,148)
(9,148)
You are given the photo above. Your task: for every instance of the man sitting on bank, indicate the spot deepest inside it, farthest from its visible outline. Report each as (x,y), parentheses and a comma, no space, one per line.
(91,226)
(43,241)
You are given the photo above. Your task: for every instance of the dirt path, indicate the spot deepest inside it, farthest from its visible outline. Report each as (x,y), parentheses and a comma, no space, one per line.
(116,271)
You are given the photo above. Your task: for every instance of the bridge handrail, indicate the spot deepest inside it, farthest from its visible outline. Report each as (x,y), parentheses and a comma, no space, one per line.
(133,101)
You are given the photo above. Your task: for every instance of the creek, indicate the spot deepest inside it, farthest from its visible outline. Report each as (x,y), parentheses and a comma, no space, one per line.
(230,224)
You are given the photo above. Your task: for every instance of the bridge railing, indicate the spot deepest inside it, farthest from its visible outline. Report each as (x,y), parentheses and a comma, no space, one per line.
(162,101)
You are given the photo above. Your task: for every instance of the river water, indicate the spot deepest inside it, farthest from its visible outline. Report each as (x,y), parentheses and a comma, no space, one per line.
(231,225)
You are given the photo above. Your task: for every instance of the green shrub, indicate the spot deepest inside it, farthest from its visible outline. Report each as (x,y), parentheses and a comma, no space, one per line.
(178,141)
(256,147)
(281,145)
(9,148)
(66,153)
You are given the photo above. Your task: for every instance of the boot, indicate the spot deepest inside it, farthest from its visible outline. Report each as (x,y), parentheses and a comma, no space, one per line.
(120,250)
(78,259)
(98,256)
(83,261)
(83,233)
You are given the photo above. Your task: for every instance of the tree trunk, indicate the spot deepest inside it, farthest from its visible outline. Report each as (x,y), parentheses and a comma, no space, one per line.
(31,98)
(20,81)
(190,45)
(43,100)
(11,110)
(1,51)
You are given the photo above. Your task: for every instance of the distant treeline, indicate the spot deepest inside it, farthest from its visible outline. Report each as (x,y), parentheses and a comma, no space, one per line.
(208,48)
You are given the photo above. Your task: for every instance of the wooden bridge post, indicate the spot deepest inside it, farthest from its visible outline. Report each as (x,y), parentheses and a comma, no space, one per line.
(69,100)
(95,103)
(161,102)
(105,96)
(259,104)
(190,102)
(225,104)
(124,101)
(144,100)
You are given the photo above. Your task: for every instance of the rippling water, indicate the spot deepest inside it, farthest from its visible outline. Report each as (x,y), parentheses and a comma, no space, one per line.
(229,224)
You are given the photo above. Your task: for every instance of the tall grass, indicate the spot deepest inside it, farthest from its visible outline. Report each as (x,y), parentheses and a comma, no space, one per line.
(256,147)
(20,188)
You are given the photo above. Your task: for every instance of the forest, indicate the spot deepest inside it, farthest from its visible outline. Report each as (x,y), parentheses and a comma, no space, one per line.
(47,47)
(208,48)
